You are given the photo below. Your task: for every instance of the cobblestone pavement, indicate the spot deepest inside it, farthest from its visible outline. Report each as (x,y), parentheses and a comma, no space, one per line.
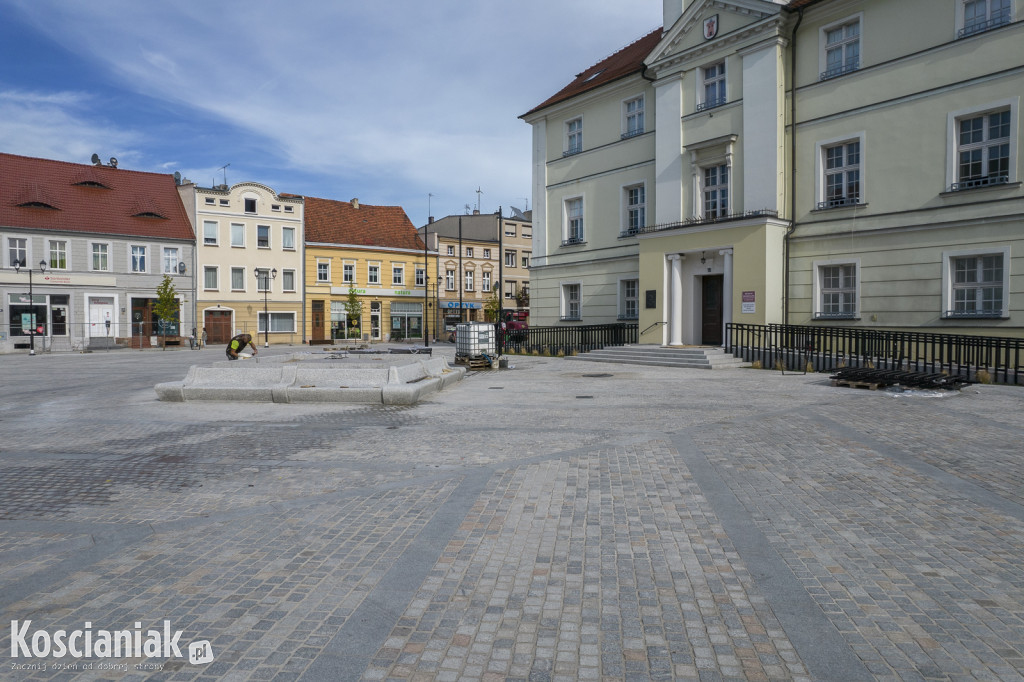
(554,521)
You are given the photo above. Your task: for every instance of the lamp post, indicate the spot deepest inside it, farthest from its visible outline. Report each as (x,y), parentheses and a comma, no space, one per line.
(267,275)
(31,302)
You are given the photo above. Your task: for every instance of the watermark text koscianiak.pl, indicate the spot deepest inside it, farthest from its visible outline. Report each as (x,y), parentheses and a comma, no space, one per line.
(101,643)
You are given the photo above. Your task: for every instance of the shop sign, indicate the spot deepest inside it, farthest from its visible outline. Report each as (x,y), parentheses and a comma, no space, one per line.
(749,302)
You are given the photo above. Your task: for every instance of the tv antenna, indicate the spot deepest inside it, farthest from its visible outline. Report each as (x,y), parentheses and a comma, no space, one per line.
(478,193)
(225,169)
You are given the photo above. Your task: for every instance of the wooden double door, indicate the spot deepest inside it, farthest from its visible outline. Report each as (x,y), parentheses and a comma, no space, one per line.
(711,309)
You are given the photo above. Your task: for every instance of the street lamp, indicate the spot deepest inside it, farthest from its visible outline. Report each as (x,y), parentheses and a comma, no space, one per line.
(18,265)
(267,275)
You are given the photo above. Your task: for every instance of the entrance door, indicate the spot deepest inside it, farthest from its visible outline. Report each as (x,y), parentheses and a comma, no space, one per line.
(59,320)
(218,326)
(101,316)
(711,310)
(318,320)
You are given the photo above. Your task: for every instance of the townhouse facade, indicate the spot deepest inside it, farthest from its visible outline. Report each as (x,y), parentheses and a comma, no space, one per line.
(810,162)
(373,251)
(476,253)
(84,249)
(249,262)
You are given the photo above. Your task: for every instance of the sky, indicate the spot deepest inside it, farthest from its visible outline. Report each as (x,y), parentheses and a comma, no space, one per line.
(387,101)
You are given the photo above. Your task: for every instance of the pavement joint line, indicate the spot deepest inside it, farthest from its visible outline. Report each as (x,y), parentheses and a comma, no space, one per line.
(971,491)
(819,644)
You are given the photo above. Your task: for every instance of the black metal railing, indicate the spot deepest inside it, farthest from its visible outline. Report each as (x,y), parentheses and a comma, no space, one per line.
(837,202)
(700,220)
(710,104)
(849,67)
(825,349)
(983,181)
(982,26)
(567,339)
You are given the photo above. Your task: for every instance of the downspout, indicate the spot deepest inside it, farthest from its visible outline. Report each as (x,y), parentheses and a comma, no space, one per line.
(792,168)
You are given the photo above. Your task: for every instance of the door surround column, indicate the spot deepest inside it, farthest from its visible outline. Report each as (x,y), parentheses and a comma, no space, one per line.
(726,292)
(675,300)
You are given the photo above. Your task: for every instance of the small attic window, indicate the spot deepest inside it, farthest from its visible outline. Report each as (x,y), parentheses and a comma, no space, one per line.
(91,183)
(149,214)
(593,76)
(210,201)
(36,204)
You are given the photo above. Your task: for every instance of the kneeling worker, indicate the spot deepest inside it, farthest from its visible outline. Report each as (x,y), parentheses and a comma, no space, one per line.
(239,343)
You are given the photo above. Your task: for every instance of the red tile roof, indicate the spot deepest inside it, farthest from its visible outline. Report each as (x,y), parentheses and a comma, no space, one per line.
(339,222)
(625,62)
(40,194)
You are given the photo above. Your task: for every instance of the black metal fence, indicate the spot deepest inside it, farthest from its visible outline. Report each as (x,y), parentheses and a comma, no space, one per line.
(567,339)
(824,349)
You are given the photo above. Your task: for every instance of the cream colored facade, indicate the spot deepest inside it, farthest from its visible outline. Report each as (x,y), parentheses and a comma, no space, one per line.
(241,229)
(864,217)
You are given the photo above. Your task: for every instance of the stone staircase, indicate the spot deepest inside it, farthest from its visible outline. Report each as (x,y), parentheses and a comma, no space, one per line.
(693,357)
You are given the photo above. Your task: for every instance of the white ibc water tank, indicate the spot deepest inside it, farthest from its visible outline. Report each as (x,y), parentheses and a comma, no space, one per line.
(473,339)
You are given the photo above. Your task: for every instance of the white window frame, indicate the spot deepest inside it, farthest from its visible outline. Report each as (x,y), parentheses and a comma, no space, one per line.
(469,252)
(215,269)
(284,280)
(953,119)
(510,258)
(8,246)
(348,272)
(210,201)
(510,229)
(132,260)
(703,103)
(819,289)
(284,315)
(485,281)
(164,252)
(207,224)
(487,254)
(320,278)
(241,232)
(948,283)
(449,280)
(235,270)
(625,299)
(511,287)
(632,119)
(573,140)
(565,302)
(264,281)
(451,249)
(92,256)
(720,211)
(526,259)
(468,281)
(823,47)
(284,242)
(49,254)
(961,20)
(245,204)
(631,211)
(270,243)
(421,276)
(569,236)
(398,274)
(821,169)
(373,273)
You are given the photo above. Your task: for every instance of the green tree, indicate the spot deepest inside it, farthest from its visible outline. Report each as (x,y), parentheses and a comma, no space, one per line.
(167,307)
(492,308)
(354,311)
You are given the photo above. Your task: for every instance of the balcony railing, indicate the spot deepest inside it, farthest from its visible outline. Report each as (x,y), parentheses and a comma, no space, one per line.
(982,26)
(631,133)
(991,313)
(572,150)
(572,240)
(984,181)
(836,71)
(711,103)
(837,202)
(700,220)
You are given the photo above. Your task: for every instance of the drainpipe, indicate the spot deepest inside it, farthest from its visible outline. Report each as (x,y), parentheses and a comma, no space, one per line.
(792,168)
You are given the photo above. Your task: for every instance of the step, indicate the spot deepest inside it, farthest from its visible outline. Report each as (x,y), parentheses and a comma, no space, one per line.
(693,358)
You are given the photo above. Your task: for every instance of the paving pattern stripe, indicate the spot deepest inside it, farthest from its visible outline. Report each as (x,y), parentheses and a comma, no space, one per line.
(821,647)
(971,491)
(366,630)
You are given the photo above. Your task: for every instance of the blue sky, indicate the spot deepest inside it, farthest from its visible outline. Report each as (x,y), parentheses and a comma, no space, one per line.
(387,101)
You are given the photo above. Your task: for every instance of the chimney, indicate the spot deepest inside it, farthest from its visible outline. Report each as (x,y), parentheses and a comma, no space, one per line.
(476,211)
(672,10)
(430,220)
(355,203)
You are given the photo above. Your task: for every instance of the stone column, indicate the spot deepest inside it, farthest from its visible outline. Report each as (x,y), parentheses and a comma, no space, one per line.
(726,291)
(675,311)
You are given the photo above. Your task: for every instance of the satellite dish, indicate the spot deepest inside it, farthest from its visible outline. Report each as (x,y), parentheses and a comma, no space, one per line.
(181,268)
(113,162)
(96,160)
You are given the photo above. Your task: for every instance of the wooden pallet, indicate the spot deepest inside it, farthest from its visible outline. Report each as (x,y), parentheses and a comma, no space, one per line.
(473,363)
(870,385)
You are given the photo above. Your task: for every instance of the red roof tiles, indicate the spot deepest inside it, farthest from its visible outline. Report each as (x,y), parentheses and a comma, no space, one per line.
(626,61)
(40,194)
(339,222)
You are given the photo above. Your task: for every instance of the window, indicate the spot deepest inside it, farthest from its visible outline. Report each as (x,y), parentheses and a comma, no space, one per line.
(449,280)
(287,280)
(373,276)
(397,275)
(982,15)
(976,283)
(263,236)
(58,254)
(841,48)
(629,299)
(451,249)
(837,286)
(469,280)
(510,259)
(288,238)
(570,302)
(983,150)
(323,271)
(485,281)
(170,260)
(573,137)
(225,202)
(469,252)
(526,259)
(210,201)
(573,221)
(421,277)
(100,256)
(712,91)
(237,234)
(238,279)
(633,117)
(209,277)
(716,192)
(841,182)
(348,273)
(526,235)
(264,280)
(510,229)
(138,258)
(250,205)
(210,232)
(288,209)
(487,253)
(18,250)
(636,209)
(279,322)
(275,207)
(510,290)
